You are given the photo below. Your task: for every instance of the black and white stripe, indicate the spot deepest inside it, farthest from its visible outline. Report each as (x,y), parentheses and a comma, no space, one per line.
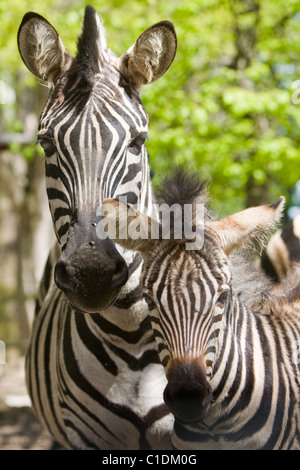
(92,152)
(229,344)
(95,380)
(251,360)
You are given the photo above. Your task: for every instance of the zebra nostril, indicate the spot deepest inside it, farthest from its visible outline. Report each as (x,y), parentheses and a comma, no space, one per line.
(61,275)
(120,275)
(66,275)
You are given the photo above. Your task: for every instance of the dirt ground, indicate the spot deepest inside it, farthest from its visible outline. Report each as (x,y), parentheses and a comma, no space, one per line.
(19,429)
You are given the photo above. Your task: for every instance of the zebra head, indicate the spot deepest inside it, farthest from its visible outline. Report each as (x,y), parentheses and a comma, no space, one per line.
(190,292)
(93,131)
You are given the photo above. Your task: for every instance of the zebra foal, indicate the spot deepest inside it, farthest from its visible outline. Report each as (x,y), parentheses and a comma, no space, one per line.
(231,354)
(92,367)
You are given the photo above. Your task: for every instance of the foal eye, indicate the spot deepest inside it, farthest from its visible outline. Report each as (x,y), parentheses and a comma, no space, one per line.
(136,145)
(149,301)
(222,299)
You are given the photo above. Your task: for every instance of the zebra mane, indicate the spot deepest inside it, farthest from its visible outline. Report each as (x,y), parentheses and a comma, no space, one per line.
(91,46)
(181,186)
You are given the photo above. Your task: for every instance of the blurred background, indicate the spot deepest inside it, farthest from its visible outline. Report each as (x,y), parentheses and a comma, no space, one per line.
(229,105)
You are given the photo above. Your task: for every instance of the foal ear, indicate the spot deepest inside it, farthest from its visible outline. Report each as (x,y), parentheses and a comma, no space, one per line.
(151,55)
(253,223)
(41,48)
(128,227)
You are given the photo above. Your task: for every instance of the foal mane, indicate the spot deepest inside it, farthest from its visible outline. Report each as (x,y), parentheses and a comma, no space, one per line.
(184,190)
(181,186)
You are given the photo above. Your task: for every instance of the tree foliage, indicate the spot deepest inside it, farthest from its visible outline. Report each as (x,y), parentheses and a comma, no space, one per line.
(225,106)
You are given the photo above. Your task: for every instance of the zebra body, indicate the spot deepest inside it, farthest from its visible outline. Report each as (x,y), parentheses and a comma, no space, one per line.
(92,355)
(95,380)
(230,352)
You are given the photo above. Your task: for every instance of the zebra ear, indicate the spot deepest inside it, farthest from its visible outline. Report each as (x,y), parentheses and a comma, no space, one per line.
(151,55)
(128,227)
(253,223)
(41,48)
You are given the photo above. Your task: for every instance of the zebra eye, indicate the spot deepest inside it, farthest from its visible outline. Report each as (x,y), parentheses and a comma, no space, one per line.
(136,145)
(149,301)
(222,299)
(48,146)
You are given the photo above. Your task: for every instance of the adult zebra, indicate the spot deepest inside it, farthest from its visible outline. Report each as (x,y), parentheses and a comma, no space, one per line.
(94,378)
(231,355)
